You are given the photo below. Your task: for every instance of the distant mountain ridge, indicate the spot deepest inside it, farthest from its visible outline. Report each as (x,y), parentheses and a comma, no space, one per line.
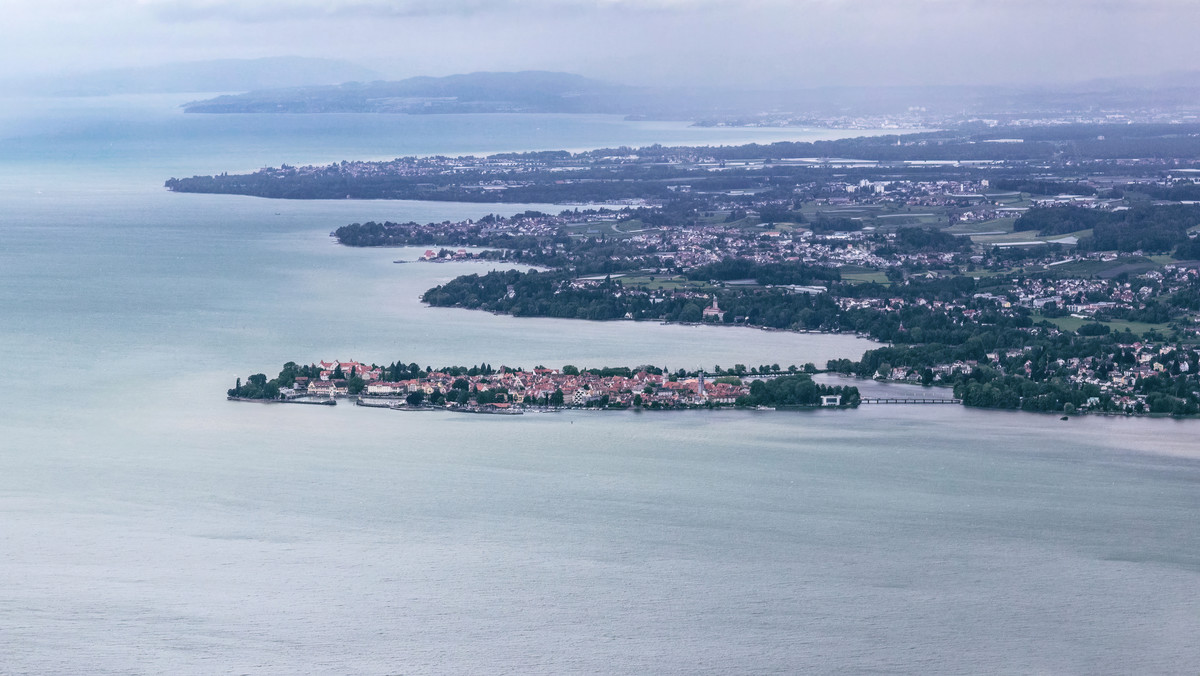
(519,92)
(220,75)
(552,92)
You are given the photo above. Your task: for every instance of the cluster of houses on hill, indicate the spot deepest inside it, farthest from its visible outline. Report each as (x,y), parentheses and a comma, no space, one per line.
(446,255)
(1115,377)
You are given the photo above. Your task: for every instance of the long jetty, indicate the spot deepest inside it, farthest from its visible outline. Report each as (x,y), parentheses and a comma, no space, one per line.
(906,400)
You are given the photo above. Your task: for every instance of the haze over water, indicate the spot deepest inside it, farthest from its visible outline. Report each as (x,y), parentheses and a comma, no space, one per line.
(149,526)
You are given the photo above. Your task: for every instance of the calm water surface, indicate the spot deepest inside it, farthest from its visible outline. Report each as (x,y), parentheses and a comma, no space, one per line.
(149,526)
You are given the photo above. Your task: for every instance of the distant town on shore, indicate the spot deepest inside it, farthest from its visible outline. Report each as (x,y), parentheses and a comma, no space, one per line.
(1041,267)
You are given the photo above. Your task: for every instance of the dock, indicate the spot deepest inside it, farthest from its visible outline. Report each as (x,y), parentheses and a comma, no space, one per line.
(310,402)
(371,404)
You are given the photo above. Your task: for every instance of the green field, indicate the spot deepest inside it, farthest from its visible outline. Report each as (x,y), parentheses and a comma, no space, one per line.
(606,228)
(655,282)
(865,277)
(1131,264)
(1025,236)
(998,225)
(1011,199)
(1069,323)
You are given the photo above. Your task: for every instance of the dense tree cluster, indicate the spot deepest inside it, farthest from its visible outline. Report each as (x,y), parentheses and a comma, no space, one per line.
(1042,187)
(256,387)
(1188,250)
(764,273)
(552,294)
(1036,379)
(795,390)
(1181,191)
(1149,228)
(924,240)
(827,224)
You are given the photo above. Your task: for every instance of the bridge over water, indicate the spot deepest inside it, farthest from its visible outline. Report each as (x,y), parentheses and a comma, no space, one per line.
(906,400)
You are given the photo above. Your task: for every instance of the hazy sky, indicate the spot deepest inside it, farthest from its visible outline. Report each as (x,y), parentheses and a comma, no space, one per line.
(753,42)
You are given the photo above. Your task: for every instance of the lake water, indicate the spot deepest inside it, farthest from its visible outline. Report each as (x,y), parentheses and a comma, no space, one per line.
(149,526)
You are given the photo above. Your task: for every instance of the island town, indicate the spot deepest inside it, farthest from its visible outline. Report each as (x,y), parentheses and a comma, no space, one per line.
(484,389)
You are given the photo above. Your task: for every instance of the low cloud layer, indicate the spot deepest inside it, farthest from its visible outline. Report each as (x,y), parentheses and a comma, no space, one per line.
(755,43)
(293,10)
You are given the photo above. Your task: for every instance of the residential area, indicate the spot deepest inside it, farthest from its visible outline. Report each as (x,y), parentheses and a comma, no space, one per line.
(485,389)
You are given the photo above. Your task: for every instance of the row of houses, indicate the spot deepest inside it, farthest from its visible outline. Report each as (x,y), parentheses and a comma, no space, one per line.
(518,387)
